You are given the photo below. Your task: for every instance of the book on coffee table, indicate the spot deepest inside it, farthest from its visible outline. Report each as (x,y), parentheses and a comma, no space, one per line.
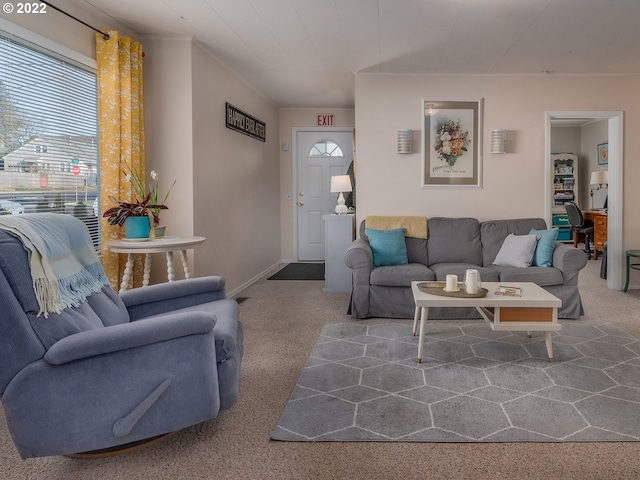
(508,291)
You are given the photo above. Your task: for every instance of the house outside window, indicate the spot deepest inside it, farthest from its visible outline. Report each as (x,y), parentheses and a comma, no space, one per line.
(48,134)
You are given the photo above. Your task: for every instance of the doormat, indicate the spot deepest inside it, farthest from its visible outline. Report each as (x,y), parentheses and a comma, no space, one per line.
(300,271)
(362,383)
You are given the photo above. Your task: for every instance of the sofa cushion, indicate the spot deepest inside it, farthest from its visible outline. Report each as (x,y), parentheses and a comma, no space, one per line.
(494,232)
(388,246)
(454,240)
(401,275)
(543,256)
(441,271)
(543,276)
(516,251)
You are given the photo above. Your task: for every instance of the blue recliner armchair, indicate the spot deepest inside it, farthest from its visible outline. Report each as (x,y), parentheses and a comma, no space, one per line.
(116,369)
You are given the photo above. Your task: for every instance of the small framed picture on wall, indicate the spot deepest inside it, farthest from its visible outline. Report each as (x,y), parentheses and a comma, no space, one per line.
(603,154)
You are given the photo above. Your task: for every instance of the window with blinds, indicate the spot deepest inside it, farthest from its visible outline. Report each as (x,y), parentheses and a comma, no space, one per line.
(48,135)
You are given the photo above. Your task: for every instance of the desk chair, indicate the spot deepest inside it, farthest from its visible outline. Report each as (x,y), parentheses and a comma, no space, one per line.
(579,226)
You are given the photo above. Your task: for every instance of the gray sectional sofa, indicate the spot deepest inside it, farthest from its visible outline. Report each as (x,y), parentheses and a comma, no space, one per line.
(454,245)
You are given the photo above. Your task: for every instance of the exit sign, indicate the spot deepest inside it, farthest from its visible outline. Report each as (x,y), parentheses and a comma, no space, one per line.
(327,120)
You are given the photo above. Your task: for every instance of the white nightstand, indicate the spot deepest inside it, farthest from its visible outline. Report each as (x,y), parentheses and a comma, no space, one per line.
(339,231)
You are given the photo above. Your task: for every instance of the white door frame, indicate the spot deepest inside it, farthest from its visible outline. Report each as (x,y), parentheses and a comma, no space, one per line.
(615,257)
(294,172)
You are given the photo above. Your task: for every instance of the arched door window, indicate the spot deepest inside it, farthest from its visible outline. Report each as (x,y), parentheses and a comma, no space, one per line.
(326,148)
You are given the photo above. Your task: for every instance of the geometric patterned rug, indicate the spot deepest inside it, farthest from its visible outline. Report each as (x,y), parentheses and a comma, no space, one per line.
(363,383)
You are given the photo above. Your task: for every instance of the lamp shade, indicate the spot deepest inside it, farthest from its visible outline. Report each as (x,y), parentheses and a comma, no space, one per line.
(340,183)
(599,177)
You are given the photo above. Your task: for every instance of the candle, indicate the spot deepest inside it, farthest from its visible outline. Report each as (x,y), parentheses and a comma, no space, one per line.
(452,283)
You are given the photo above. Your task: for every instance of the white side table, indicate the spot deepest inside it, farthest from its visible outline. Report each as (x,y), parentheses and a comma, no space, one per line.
(339,233)
(157,245)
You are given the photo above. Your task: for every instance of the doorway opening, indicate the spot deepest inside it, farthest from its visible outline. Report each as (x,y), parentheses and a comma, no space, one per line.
(317,155)
(615,129)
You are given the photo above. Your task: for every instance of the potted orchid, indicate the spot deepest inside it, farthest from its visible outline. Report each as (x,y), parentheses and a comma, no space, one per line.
(144,206)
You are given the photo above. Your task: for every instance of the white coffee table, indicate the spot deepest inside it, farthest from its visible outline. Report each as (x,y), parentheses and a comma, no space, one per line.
(535,310)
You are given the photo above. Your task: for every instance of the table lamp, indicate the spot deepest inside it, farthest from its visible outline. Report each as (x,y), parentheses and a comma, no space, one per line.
(340,183)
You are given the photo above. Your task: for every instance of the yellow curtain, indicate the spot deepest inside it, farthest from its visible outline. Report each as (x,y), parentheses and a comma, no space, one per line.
(121,136)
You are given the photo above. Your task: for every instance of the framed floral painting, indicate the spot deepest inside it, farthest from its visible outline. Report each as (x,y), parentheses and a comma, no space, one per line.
(452,142)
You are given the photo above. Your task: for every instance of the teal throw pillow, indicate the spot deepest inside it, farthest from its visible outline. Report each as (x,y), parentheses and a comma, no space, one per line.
(388,246)
(543,256)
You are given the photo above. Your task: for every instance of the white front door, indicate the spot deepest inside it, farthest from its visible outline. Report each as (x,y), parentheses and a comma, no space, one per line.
(320,155)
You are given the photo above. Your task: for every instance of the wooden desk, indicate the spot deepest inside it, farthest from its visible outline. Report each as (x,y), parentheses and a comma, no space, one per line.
(600,229)
(158,245)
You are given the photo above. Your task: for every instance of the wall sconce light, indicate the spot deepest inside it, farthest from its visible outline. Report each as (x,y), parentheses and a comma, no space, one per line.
(599,178)
(498,141)
(340,183)
(405,141)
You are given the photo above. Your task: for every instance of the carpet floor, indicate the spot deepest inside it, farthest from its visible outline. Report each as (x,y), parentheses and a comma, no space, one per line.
(362,383)
(283,321)
(300,271)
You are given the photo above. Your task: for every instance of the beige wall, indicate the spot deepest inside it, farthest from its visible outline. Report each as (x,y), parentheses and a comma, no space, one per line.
(296,118)
(514,183)
(227,183)
(169,134)
(236,177)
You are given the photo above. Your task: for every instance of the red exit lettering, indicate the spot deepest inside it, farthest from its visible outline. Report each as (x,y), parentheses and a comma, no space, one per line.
(326,120)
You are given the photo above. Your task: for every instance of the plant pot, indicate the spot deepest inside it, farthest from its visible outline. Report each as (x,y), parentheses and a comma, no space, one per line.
(158,232)
(137,227)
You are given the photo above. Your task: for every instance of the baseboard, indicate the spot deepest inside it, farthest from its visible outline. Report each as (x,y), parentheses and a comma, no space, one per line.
(265,273)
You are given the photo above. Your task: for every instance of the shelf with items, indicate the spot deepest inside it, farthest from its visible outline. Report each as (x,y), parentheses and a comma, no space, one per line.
(565,169)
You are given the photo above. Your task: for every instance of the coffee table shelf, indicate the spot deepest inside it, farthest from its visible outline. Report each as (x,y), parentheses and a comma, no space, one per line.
(535,310)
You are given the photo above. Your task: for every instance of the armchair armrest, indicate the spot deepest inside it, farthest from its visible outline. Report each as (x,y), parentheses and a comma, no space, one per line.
(99,341)
(170,296)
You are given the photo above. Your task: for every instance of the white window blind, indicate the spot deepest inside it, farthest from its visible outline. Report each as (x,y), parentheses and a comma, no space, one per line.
(48,135)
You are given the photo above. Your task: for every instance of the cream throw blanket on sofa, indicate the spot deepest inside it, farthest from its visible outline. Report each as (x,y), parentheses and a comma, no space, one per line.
(64,266)
(416,226)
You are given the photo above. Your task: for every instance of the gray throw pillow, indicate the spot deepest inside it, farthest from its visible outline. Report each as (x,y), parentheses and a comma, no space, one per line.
(517,251)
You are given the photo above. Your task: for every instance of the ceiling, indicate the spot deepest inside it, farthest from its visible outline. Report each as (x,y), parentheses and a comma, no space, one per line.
(304,53)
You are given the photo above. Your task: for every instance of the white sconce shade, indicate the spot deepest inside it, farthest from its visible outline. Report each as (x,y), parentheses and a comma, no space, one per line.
(498,141)
(340,183)
(599,177)
(405,141)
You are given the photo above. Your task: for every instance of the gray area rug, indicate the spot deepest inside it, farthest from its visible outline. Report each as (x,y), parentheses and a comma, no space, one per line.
(362,383)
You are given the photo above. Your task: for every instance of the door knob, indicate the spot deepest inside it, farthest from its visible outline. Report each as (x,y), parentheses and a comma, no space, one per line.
(301,194)
(300,204)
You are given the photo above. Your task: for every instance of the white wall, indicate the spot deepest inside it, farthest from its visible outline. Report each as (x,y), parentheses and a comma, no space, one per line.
(236,180)
(592,135)
(514,183)
(227,183)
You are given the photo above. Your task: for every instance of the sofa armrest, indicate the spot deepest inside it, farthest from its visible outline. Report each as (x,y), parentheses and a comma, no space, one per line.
(100,341)
(359,258)
(167,297)
(568,260)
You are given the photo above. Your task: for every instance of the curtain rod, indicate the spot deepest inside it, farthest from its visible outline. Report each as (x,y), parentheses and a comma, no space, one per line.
(105,35)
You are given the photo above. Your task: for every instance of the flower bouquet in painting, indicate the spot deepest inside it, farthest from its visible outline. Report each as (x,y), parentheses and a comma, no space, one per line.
(451,141)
